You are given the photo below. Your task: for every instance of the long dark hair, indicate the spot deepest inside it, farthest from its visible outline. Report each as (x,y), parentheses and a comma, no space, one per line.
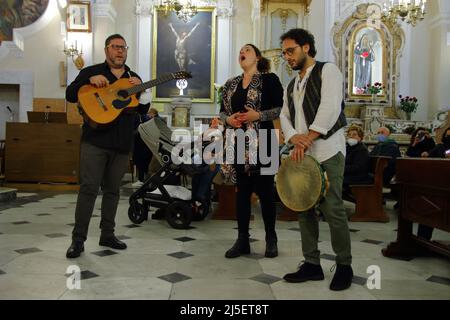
(263,63)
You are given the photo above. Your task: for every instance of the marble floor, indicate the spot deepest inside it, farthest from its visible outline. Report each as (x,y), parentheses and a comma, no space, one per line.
(164,263)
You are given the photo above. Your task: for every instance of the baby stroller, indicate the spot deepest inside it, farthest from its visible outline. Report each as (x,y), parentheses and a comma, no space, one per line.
(174,202)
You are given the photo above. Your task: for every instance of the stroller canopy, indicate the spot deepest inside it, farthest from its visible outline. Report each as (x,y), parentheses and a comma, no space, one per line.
(155,133)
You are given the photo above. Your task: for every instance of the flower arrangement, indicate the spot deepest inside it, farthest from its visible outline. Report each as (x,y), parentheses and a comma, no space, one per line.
(408,104)
(376,88)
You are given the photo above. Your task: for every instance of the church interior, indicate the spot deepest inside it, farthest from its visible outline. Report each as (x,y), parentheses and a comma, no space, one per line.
(395,66)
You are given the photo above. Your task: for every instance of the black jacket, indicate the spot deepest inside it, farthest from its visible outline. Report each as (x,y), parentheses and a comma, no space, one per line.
(424,146)
(357,164)
(439,150)
(116,136)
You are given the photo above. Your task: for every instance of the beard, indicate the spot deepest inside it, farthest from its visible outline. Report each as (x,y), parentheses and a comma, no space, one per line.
(300,64)
(118,63)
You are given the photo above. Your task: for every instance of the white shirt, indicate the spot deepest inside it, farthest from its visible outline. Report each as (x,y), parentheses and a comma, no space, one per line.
(327,114)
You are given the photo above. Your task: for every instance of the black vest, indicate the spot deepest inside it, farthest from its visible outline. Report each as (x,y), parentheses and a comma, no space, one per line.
(311,102)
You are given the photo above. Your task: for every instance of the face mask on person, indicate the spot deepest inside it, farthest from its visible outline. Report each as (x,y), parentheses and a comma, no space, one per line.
(352,142)
(381,138)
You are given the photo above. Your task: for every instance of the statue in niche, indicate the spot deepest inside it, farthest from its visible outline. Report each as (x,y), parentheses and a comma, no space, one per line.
(364,55)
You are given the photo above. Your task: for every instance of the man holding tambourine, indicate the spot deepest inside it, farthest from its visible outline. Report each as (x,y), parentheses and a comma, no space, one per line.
(312,120)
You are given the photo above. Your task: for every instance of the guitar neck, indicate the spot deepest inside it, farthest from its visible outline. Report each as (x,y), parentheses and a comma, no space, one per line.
(149,84)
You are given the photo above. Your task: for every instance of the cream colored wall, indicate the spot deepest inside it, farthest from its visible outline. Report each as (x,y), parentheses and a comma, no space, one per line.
(430,64)
(420,68)
(126,26)
(440,76)
(316,25)
(103,27)
(42,54)
(242,31)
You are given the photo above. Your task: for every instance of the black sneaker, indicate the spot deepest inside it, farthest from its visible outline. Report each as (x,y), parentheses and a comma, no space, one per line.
(112,242)
(241,246)
(342,278)
(306,272)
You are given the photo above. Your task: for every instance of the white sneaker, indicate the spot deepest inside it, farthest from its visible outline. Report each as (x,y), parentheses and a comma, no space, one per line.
(137,184)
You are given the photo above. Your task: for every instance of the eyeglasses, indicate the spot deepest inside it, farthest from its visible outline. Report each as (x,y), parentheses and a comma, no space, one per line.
(117,47)
(288,51)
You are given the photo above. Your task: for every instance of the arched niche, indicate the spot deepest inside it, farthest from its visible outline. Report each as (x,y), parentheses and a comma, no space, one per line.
(368,49)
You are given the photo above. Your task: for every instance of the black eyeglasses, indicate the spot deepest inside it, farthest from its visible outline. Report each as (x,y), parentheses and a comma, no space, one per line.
(117,47)
(288,51)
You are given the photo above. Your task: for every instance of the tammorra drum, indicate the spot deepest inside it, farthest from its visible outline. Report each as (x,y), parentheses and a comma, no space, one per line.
(301,184)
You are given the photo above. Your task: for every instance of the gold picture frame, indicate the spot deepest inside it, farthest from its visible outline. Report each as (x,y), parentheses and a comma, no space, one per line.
(79,16)
(190,46)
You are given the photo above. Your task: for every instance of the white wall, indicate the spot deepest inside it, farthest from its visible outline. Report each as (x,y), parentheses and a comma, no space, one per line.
(9,97)
(125,25)
(316,25)
(242,31)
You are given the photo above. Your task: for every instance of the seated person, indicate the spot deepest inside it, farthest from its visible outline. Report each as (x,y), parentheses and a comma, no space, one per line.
(442,150)
(421,141)
(201,183)
(357,161)
(389,148)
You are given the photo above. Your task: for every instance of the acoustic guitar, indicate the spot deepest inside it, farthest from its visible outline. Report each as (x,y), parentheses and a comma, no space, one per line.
(104,105)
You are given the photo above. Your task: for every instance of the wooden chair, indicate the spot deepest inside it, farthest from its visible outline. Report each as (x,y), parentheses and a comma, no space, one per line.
(369,198)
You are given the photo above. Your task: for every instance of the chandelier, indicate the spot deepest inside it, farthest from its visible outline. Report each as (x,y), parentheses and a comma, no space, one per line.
(184,9)
(411,11)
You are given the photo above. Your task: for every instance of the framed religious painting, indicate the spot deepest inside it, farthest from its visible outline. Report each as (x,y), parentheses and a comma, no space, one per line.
(79,16)
(188,46)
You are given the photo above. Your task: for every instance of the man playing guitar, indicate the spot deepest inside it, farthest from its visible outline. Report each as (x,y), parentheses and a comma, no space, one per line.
(104,155)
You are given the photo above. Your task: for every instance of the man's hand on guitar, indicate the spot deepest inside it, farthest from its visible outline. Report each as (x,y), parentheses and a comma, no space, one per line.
(135,81)
(99,81)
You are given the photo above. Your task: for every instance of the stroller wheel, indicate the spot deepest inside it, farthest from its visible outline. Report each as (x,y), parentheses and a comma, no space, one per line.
(179,215)
(137,213)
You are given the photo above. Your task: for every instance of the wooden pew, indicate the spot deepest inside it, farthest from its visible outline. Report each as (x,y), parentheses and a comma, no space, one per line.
(425,199)
(369,198)
(2,160)
(226,209)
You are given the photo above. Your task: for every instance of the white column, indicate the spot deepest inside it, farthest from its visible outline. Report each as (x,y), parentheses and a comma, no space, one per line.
(224,43)
(144,36)
(329,22)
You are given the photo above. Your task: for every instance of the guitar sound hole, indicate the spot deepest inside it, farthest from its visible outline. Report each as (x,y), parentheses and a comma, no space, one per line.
(122,93)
